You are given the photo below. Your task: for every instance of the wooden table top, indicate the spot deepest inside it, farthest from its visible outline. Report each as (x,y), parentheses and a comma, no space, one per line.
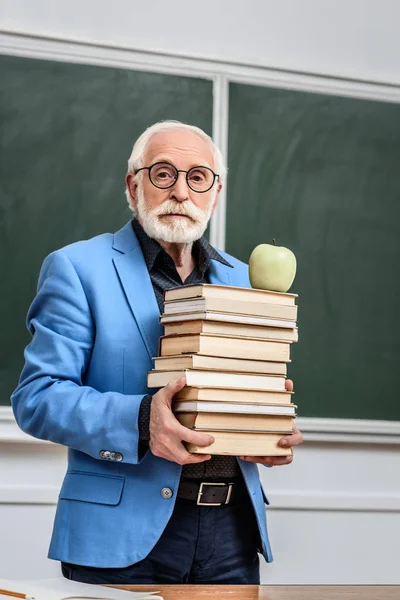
(271,592)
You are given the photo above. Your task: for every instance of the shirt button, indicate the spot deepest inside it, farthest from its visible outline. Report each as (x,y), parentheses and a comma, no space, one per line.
(118,456)
(166,493)
(107,454)
(102,453)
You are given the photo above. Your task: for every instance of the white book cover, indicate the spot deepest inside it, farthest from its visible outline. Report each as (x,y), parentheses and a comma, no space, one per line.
(225,407)
(227,318)
(63,589)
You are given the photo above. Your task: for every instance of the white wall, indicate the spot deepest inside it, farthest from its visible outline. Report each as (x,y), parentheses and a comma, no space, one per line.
(358,39)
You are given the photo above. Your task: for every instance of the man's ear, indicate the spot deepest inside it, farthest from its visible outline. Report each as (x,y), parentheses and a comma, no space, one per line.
(131,184)
(219,188)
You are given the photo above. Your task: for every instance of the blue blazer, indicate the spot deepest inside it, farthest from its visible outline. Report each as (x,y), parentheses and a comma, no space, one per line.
(95,330)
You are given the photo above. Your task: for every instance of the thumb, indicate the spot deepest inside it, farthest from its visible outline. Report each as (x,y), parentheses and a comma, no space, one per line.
(173,387)
(195,437)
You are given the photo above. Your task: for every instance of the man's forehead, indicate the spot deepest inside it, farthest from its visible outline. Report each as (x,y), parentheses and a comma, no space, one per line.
(179,146)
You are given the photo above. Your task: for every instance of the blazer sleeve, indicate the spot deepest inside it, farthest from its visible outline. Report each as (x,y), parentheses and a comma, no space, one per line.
(50,401)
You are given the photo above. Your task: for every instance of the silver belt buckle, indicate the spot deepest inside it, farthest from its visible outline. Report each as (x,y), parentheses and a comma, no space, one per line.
(200,493)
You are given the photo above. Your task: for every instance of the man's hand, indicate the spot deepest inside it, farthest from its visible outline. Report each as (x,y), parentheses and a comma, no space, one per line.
(167,434)
(294,439)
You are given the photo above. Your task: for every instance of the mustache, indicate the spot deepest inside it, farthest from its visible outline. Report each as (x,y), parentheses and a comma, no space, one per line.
(169,207)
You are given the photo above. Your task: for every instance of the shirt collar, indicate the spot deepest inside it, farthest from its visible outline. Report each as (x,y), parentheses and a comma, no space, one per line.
(203,252)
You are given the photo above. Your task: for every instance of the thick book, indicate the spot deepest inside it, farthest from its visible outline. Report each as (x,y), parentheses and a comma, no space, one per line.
(261,309)
(233,396)
(224,346)
(242,444)
(226,318)
(202,378)
(200,421)
(235,330)
(216,363)
(245,409)
(227,292)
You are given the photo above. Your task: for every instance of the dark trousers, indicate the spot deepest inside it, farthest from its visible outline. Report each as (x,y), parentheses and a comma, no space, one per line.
(201,544)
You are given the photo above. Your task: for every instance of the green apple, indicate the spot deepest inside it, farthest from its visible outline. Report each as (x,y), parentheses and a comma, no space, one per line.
(272,267)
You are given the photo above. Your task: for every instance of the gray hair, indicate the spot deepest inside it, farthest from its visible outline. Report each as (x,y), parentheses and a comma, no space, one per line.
(136,159)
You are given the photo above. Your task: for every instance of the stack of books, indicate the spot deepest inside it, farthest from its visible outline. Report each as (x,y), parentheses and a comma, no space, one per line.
(232,345)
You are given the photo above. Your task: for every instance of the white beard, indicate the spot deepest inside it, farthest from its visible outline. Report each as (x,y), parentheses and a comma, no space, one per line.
(174,230)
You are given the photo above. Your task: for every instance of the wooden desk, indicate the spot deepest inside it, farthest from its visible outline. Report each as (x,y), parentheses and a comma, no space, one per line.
(272,592)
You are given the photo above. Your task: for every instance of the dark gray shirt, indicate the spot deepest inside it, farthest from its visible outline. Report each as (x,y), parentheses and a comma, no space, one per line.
(163,275)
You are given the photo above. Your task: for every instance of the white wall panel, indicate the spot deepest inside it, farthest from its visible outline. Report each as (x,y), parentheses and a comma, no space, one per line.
(346,38)
(334,515)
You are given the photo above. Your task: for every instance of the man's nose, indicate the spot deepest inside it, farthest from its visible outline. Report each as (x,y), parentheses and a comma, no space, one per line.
(180,189)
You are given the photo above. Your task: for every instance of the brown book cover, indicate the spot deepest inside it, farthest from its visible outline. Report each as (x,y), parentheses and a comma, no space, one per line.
(224,346)
(261,309)
(208,290)
(217,379)
(231,329)
(230,396)
(242,444)
(236,422)
(217,363)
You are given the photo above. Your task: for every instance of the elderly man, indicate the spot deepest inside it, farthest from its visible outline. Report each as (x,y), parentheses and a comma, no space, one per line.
(129,509)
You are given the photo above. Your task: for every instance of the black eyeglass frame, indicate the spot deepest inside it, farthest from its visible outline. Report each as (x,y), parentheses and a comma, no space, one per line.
(215,176)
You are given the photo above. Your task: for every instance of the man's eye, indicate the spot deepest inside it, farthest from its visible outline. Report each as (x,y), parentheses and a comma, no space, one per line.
(164,174)
(197,176)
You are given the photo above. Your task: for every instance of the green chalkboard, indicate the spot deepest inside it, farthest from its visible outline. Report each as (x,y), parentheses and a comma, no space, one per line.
(321,174)
(66,132)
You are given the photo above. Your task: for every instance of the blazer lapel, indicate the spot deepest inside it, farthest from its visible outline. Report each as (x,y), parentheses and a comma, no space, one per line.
(219,273)
(135,280)
(136,283)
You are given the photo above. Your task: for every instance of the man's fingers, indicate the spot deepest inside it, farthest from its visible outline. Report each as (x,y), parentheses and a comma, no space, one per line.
(289,385)
(294,439)
(195,437)
(180,455)
(272,461)
(173,387)
(184,457)
(197,458)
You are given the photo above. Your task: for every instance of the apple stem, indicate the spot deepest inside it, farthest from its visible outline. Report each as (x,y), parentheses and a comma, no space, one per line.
(274,240)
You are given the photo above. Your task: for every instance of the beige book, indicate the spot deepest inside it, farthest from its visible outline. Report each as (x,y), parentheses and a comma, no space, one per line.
(231,396)
(242,444)
(228,292)
(261,309)
(226,318)
(220,379)
(236,422)
(235,330)
(229,347)
(216,363)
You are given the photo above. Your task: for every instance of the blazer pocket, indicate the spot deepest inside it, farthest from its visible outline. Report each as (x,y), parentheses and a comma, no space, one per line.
(92,487)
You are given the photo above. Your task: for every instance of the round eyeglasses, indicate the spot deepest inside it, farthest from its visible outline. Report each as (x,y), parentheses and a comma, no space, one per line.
(163,175)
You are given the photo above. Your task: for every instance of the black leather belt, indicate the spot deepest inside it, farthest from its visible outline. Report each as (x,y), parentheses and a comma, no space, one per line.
(211,493)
